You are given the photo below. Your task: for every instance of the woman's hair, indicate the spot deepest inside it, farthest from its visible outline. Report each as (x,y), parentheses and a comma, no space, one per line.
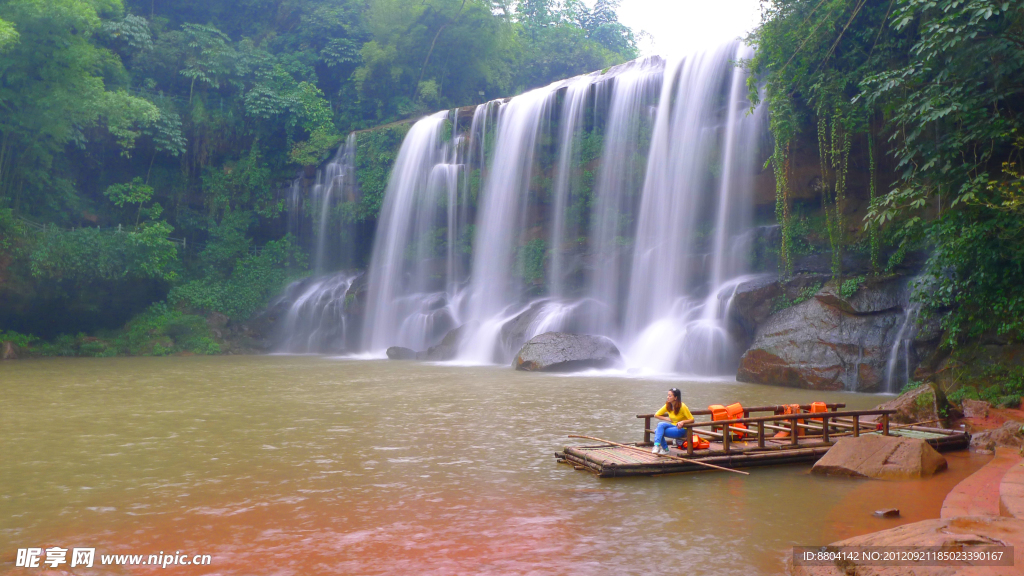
(679,396)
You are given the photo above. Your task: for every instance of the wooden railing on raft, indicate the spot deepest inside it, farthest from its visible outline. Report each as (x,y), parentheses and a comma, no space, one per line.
(842,423)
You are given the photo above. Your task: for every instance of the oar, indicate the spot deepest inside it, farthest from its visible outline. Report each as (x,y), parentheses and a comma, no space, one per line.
(665,455)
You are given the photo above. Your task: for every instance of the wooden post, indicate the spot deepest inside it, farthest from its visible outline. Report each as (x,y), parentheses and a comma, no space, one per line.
(725,438)
(824,429)
(760,434)
(647,429)
(885,424)
(856,426)
(793,431)
(689,440)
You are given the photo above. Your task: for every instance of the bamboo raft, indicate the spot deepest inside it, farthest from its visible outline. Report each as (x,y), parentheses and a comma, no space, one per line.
(815,434)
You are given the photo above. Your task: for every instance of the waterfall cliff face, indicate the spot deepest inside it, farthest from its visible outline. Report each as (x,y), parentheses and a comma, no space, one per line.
(614,203)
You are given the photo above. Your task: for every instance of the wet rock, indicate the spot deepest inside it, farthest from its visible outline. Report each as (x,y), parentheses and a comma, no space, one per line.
(561,352)
(881,457)
(976,408)
(956,532)
(916,405)
(887,513)
(400,353)
(884,296)
(216,321)
(448,348)
(518,330)
(1008,434)
(818,346)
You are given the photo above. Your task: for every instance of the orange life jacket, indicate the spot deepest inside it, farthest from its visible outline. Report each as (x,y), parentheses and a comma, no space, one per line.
(817,407)
(698,443)
(789,409)
(730,412)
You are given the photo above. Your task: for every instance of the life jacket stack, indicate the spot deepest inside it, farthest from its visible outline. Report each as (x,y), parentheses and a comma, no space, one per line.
(698,443)
(790,409)
(730,412)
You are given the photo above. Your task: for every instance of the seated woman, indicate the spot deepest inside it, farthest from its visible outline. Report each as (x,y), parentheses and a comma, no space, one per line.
(675,415)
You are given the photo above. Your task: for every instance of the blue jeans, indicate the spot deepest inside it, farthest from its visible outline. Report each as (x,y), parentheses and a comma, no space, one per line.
(666,430)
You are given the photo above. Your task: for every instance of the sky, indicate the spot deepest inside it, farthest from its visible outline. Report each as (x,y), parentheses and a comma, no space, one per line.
(680,26)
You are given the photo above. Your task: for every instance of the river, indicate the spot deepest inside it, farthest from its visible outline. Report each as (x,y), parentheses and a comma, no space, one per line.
(307,464)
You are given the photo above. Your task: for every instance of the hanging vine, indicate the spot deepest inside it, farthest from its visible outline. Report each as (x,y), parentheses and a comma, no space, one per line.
(873,236)
(780,165)
(834,155)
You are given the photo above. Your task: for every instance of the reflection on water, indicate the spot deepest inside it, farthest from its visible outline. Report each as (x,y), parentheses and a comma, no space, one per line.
(301,465)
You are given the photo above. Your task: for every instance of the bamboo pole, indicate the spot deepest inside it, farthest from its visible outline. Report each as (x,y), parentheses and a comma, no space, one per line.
(663,455)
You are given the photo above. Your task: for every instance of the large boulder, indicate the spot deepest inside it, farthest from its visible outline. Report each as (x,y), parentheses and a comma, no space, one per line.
(916,405)
(882,457)
(448,348)
(1009,434)
(561,352)
(400,353)
(827,342)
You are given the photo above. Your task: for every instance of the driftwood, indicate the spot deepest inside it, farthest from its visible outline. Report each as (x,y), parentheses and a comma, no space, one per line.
(662,455)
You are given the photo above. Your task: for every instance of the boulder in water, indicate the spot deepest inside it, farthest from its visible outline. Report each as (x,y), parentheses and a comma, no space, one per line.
(561,352)
(882,457)
(448,349)
(399,353)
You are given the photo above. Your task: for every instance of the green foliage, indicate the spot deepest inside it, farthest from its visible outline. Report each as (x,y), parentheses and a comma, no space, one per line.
(781,302)
(999,385)
(376,153)
(849,287)
(530,261)
(939,81)
(249,286)
(911,385)
(16,339)
(85,255)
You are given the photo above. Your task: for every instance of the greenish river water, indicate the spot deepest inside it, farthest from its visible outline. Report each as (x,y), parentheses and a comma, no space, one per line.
(312,465)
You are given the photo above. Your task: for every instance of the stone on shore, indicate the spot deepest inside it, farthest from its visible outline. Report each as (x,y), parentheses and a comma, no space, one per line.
(399,353)
(952,532)
(916,405)
(881,457)
(561,352)
(1008,434)
(976,408)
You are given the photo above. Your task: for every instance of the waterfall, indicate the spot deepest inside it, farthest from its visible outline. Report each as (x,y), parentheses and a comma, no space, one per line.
(316,321)
(501,219)
(901,350)
(572,116)
(615,203)
(333,182)
(407,305)
(631,112)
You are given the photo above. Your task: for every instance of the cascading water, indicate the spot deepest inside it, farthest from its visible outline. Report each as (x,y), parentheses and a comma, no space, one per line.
(316,321)
(614,203)
(408,301)
(333,182)
(897,368)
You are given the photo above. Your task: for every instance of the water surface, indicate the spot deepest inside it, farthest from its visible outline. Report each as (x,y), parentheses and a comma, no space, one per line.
(303,465)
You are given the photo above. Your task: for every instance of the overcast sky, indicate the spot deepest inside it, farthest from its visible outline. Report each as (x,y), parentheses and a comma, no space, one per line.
(679,26)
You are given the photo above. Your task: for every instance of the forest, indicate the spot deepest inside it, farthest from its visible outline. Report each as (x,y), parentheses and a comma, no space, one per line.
(144,145)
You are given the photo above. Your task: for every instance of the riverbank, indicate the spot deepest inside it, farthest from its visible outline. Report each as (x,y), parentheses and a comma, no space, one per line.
(986,508)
